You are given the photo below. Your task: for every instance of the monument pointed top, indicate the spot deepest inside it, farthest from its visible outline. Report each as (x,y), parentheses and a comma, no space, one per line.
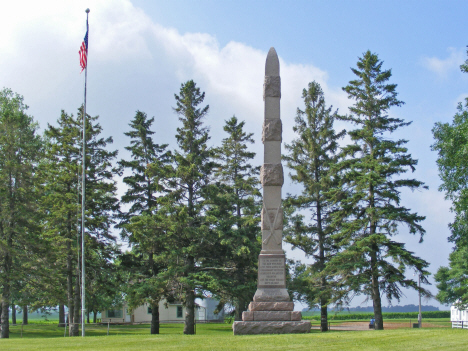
(272,63)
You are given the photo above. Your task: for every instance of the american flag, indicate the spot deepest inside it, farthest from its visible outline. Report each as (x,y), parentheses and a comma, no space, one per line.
(84,50)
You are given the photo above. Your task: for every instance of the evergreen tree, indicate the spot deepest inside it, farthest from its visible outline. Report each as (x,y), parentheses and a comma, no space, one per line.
(451,145)
(20,150)
(370,212)
(185,207)
(235,214)
(311,157)
(61,203)
(148,165)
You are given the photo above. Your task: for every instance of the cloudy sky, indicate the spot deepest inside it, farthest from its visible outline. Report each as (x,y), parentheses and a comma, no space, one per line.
(141,51)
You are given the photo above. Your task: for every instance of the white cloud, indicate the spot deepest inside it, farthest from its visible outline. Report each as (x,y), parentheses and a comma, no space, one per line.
(442,67)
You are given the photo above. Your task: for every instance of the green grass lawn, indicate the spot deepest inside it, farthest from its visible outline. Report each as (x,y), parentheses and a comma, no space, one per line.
(220,337)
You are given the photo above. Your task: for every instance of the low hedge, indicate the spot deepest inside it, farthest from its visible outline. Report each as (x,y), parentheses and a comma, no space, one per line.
(386,315)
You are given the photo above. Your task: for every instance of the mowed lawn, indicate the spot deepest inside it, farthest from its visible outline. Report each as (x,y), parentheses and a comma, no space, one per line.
(219,337)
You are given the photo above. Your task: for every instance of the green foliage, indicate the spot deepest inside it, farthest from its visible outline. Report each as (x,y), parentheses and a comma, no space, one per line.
(20,151)
(451,144)
(61,210)
(452,148)
(183,211)
(370,213)
(311,157)
(149,165)
(464,66)
(234,212)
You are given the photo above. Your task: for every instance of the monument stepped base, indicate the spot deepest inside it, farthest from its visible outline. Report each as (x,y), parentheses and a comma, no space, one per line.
(267,317)
(270,327)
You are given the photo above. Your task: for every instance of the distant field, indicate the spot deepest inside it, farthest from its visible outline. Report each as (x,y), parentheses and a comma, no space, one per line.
(220,337)
(40,316)
(344,315)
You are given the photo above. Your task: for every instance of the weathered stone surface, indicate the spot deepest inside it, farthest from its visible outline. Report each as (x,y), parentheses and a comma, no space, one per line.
(272,130)
(264,327)
(271,295)
(296,315)
(275,218)
(271,306)
(272,315)
(271,174)
(247,316)
(272,87)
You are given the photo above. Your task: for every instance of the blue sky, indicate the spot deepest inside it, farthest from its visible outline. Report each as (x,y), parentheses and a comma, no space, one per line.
(141,51)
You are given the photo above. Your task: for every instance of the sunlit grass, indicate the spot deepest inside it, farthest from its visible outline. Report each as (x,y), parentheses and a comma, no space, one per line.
(220,337)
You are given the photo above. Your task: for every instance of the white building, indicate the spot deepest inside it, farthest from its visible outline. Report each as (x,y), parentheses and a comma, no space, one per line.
(459,318)
(172,313)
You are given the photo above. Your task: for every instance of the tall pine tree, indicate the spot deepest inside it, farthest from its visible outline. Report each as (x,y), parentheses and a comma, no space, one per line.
(146,183)
(20,149)
(311,156)
(235,214)
(370,212)
(61,201)
(186,205)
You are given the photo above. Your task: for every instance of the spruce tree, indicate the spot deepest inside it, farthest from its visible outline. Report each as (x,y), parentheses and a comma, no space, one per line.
(235,213)
(20,152)
(311,157)
(370,212)
(146,183)
(61,201)
(185,207)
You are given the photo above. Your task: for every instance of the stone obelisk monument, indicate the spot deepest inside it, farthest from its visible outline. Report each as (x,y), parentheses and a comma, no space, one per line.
(272,311)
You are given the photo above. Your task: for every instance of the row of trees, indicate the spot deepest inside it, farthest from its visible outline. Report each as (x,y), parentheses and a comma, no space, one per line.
(193,212)
(350,208)
(191,223)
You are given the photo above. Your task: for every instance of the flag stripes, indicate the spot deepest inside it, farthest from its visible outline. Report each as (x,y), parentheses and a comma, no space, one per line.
(84,50)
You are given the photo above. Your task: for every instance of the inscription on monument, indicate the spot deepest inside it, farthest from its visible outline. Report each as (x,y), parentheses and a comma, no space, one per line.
(271,272)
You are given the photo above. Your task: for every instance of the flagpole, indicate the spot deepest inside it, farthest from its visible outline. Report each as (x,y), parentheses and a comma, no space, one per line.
(83,291)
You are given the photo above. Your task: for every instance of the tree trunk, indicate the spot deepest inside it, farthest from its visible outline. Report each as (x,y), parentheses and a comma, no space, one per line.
(5,332)
(76,307)
(376,292)
(155,318)
(13,314)
(189,327)
(6,291)
(25,315)
(94,317)
(61,315)
(240,307)
(375,289)
(70,289)
(323,316)
(87,316)
(322,259)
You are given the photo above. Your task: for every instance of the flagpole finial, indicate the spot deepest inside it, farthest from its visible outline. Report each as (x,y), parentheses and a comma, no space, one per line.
(87,10)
